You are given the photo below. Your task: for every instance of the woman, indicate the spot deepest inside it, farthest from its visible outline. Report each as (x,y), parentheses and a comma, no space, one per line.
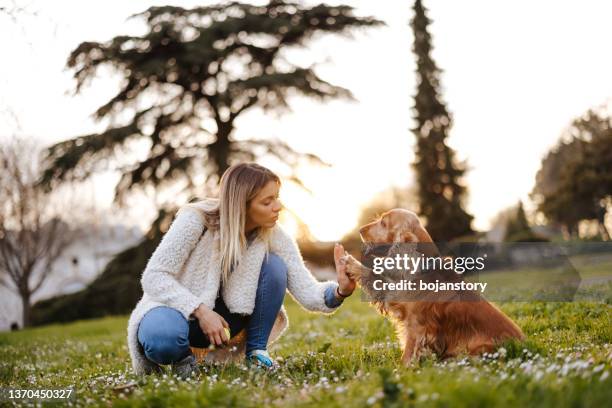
(225,264)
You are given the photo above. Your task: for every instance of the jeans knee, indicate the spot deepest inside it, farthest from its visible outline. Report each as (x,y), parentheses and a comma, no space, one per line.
(274,271)
(167,348)
(164,335)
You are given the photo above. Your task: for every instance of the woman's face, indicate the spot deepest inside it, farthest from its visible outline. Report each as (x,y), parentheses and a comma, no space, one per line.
(264,208)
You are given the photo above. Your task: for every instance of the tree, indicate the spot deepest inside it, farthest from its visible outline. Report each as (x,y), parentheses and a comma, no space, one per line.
(33,234)
(438,174)
(517,226)
(517,222)
(557,208)
(115,291)
(574,182)
(11,10)
(186,82)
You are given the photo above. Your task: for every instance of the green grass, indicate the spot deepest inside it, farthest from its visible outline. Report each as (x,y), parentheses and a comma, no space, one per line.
(588,278)
(349,359)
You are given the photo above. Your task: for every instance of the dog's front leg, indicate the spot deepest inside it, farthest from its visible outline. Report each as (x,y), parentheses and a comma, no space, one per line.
(354,269)
(409,354)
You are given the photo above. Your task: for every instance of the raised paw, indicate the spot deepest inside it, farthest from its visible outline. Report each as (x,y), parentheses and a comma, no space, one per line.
(354,268)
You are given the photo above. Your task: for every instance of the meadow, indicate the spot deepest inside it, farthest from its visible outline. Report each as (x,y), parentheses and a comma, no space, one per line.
(349,359)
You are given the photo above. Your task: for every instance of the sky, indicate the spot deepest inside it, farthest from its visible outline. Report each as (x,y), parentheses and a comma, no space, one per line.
(515,74)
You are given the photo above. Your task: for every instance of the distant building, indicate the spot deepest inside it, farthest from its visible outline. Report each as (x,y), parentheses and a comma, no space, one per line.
(80,264)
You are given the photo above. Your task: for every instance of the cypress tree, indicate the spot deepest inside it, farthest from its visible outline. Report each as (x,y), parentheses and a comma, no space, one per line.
(438,174)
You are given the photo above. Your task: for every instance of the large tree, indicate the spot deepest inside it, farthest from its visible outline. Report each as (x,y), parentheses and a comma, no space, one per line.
(438,174)
(186,82)
(574,182)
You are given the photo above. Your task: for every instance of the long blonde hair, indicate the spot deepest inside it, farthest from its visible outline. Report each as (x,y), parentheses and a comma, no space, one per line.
(239,184)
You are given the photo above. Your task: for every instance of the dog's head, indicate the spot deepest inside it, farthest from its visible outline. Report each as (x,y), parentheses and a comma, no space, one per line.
(397,225)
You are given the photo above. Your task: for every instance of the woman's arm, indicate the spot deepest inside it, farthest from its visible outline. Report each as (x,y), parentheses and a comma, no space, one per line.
(304,288)
(159,277)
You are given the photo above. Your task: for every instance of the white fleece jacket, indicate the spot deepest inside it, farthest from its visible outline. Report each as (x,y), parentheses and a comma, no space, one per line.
(185,270)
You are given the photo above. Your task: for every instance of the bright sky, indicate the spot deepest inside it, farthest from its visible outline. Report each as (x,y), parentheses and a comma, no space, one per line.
(516,72)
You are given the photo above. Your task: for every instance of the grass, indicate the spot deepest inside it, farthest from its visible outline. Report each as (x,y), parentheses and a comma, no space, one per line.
(349,359)
(583,278)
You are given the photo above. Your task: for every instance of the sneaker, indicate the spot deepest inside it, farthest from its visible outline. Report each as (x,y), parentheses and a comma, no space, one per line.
(260,358)
(153,368)
(186,367)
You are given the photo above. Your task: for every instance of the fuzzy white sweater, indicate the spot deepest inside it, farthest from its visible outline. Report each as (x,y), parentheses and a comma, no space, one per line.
(185,270)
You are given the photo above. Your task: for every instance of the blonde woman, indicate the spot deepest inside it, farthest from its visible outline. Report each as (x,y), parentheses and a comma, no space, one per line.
(223,268)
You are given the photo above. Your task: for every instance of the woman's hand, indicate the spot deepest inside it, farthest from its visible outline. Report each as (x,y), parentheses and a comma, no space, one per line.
(346,285)
(212,324)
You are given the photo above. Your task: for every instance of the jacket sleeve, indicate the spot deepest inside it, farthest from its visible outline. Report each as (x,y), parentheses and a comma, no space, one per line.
(159,277)
(304,288)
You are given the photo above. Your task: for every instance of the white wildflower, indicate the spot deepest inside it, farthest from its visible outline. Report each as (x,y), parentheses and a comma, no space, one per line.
(598,368)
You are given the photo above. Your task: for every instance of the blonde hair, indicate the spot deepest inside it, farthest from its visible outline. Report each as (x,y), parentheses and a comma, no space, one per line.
(239,184)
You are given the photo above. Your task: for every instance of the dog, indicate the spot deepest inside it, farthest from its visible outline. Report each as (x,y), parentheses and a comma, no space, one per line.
(445,327)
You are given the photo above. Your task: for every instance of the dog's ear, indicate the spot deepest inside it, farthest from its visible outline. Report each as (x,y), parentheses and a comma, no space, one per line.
(427,246)
(422,234)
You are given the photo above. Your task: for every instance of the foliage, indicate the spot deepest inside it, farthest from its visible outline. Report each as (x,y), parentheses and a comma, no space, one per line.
(574,182)
(185,83)
(187,80)
(438,174)
(518,229)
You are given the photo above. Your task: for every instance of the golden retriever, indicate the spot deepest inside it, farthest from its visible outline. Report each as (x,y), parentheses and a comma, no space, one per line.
(448,328)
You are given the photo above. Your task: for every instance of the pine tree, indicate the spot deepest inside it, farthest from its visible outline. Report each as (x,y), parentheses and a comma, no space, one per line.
(438,173)
(517,226)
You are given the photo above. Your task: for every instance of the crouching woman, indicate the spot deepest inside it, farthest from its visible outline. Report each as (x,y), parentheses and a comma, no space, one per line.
(222,269)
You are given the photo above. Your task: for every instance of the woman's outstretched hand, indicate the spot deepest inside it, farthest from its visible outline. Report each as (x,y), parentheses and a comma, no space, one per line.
(346,285)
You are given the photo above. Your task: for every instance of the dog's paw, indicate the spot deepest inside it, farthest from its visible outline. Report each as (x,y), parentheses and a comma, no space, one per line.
(354,268)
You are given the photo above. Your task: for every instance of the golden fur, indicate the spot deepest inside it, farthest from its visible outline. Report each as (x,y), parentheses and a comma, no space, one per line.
(447,328)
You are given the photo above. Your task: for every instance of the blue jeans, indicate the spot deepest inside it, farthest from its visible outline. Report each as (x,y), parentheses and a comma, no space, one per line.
(165,335)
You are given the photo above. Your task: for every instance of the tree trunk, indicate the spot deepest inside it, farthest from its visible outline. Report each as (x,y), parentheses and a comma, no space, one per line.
(220,149)
(601,222)
(25,302)
(603,231)
(570,231)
